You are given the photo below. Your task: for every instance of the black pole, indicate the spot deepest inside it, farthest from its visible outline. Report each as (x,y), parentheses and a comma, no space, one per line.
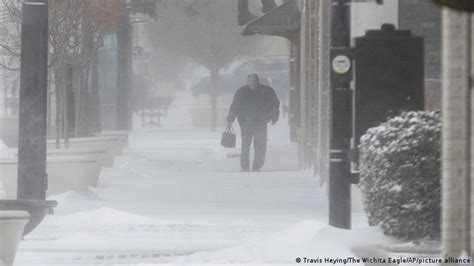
(32,177)
(124,69)
(339,170)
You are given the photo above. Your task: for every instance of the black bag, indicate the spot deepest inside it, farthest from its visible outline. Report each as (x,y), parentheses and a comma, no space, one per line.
(228,138)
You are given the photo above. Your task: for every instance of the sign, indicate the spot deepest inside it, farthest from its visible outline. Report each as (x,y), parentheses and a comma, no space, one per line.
(105,13)
(341,64)
(341,67)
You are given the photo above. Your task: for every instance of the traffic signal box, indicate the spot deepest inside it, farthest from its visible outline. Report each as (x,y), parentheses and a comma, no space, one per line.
(389,76)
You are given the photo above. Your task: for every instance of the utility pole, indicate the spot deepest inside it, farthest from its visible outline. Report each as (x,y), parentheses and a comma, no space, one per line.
(124,68)
(32,177)
(339,167)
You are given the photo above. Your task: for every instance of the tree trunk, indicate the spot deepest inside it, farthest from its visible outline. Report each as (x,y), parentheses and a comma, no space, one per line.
(93,105)
(48,116)
(213,95)
(89,57)
(59,90)
(5,95)
(69,104)
(65,108)
(82,99)
(455,142)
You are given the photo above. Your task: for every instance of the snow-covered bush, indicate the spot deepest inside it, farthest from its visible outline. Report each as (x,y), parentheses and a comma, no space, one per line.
(400,175)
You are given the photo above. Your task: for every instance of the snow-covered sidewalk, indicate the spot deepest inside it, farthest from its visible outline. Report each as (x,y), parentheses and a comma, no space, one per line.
(176,196)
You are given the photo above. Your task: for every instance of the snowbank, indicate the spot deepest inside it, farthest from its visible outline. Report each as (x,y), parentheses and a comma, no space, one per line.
(308,239)
(100,217)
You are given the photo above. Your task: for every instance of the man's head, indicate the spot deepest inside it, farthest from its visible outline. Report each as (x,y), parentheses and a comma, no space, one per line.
(253,81)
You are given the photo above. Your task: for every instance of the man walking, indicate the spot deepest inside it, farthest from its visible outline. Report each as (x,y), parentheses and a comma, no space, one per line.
(254,106)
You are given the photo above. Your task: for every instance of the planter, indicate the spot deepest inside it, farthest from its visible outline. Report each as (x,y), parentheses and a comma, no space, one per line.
(114,133)
(65,173)
(37,210)
(12,224)
(113,144)
(9,131)
(103,157)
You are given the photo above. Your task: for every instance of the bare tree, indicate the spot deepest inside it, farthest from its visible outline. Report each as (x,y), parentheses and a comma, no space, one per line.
(205,31)
(76,29)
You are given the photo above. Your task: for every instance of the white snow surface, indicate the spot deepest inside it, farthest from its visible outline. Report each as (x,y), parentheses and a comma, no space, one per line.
(176,197)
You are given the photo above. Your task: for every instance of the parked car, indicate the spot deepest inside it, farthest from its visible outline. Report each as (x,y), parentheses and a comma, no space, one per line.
(273,71)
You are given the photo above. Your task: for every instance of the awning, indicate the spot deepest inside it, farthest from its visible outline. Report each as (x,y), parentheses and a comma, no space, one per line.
(465,5)
(284,20)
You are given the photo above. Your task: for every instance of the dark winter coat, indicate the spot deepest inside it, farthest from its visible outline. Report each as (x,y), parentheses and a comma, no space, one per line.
(256,107)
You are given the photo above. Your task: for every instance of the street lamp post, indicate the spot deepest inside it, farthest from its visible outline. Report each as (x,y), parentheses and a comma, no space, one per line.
(339,168)
(32,177)
(124,68)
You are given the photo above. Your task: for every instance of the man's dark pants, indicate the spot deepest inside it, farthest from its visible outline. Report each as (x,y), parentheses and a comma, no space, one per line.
(259,135)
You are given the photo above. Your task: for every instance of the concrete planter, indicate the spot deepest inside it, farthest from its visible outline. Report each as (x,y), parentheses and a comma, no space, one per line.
(104,158)
(65,173)
(37,209)
(113,144)
(12,224)
(114,133)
